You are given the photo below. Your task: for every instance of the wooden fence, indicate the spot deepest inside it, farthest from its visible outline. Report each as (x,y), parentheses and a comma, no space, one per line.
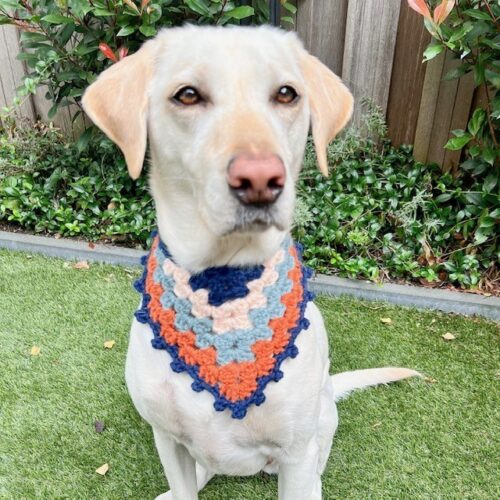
(376,46)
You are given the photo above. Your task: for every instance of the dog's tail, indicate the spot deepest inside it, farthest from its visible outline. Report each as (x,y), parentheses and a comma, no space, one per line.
(346,382)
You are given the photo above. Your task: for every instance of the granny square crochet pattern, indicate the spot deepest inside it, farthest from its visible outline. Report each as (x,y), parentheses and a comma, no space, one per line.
(229,328)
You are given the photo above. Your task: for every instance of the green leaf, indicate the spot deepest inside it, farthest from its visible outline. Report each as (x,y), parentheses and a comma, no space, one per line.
(84,139)
(492,77)
(457,72)
(487,221)
(477,14)
(457,143)
(477,119)
(432,51)
(126,30)
(461,32)
(57,19)
(489,155)
(290,7)
(481,235)
(198,6)
(239,12)
(479,74)
(52,111)
(443,197)
(102,12)
(147,30)
(490,182)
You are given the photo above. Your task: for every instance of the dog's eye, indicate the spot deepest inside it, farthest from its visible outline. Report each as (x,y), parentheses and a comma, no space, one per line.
(286,95)
(188,96)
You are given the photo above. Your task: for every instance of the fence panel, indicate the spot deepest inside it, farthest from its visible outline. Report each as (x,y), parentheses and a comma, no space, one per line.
(321,26)
(11,72)
(407,80)
(371,31)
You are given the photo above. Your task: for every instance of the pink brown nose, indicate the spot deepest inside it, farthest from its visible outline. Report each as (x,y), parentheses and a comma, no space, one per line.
(256,179)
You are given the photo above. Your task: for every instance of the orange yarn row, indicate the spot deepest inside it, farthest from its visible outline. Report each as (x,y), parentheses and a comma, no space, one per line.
(236,381)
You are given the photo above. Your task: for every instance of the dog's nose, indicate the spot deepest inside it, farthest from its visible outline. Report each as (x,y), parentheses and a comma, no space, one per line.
(256,179)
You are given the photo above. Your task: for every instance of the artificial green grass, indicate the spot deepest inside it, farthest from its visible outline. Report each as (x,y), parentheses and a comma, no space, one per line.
(416,439)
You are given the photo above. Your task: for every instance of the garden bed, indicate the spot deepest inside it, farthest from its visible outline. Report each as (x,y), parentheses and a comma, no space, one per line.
(380,215)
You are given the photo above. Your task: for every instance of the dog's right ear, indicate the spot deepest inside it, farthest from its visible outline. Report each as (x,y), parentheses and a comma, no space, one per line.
(117,102)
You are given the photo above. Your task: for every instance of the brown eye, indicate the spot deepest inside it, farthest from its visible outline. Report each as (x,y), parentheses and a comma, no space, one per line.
(188,96)
(286,95)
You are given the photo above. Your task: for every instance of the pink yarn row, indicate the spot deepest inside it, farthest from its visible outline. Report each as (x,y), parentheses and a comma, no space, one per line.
(232,315)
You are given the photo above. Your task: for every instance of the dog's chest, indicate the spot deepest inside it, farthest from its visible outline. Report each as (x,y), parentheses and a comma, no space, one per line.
(224,444)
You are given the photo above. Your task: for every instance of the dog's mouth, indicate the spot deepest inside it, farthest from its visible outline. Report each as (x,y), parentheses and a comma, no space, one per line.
(255,219)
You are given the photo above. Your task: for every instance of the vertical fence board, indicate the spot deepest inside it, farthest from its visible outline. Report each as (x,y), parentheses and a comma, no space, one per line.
(408,75)
(459,118)
(62,118)
(443,113)
(12,71)
(371,30)
(428,103)
(321,26)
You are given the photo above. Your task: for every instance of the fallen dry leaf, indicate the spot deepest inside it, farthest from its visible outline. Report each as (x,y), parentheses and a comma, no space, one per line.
(430,380)
(58,236)
(386,321)
(112,206)
(376,424)
(102,469)
(448,336)
(99,426)
(83,264)
(109,344)
(35,350)
(91,245)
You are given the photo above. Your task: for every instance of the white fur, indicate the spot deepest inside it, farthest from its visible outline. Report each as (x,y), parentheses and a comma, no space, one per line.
(239,69)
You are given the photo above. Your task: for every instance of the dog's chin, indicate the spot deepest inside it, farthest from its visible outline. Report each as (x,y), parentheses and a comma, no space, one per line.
(255,220)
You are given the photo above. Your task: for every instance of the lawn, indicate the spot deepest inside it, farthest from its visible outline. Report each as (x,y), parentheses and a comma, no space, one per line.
(431,438)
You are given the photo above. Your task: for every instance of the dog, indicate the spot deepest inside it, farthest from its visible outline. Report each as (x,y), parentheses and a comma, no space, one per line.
(227,112)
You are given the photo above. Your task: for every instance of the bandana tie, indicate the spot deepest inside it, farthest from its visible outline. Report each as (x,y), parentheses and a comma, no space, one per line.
(229,328)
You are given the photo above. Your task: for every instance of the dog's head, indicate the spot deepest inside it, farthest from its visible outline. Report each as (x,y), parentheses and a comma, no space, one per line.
(227,112)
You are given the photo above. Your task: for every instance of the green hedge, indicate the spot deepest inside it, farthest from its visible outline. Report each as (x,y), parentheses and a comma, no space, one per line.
(379,215)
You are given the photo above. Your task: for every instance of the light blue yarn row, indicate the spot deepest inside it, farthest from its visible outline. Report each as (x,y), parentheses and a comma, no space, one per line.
(233,345)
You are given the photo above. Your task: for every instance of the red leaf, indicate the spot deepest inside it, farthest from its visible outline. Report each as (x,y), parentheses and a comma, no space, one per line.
(122,52)
(421,7)
(106,50)
(443,10)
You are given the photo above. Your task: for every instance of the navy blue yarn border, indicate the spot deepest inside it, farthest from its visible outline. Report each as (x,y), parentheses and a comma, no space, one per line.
(239,408)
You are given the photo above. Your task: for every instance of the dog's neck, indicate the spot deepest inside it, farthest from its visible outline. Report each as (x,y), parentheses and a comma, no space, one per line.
(191,243)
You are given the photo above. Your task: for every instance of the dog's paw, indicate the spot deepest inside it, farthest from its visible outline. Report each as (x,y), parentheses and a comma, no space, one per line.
(164,496)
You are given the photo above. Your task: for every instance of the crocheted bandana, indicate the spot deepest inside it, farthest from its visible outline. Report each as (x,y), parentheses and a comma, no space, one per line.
(229,328)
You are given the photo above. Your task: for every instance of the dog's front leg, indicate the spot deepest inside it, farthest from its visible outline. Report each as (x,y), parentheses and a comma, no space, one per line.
(179,467)
(301,480)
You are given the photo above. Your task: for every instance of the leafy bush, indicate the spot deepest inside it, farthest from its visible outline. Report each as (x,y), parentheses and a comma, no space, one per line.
(379,215)
(67,43)
(470,30)
(382,214)
(71,193)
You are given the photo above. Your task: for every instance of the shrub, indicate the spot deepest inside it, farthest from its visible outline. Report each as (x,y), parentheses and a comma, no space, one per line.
(470,30)
(380,215)
(71,193)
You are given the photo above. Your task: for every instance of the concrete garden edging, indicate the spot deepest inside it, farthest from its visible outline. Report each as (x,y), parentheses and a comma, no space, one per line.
(423,298)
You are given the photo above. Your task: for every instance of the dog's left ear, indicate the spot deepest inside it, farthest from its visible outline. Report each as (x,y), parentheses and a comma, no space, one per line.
(117,102)
(331,105)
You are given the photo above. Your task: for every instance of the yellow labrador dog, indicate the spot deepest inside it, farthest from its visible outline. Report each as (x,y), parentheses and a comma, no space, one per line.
(227,113)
